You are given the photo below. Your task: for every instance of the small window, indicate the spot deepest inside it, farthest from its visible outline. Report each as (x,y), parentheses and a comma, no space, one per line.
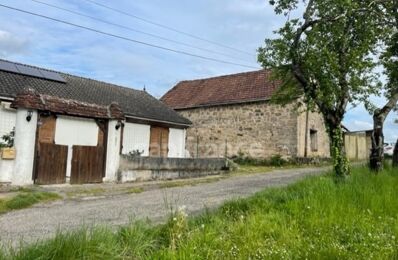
(314,140)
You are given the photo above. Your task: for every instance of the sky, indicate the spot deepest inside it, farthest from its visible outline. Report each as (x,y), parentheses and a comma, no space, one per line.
(241,25)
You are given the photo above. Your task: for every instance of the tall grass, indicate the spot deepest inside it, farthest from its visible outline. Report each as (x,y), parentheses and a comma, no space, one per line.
(316,218)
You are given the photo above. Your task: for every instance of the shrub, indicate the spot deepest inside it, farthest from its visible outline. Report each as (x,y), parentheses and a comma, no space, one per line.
(275,160)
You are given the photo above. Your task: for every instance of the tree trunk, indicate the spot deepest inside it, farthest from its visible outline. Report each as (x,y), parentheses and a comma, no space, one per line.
(340,162)
(395,156)
(377,151)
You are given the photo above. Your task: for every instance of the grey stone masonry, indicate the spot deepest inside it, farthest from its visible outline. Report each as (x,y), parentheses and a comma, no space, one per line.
(257,129)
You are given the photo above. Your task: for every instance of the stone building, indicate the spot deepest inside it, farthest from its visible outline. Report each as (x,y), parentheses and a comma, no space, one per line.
(233,114)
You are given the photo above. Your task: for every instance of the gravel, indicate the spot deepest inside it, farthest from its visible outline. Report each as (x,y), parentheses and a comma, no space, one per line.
(44,220)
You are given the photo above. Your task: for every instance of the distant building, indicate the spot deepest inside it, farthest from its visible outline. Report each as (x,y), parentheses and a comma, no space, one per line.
(233,114)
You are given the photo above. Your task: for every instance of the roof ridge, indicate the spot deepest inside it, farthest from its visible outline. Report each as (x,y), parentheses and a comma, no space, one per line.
(72,75)
(225,89)
(225,76)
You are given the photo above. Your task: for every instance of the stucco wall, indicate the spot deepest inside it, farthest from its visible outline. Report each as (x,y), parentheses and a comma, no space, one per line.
(7,118)
(24,143)
(315,122)
(112,153)
(136,137)
(6,170)
(7,123)
(257,129)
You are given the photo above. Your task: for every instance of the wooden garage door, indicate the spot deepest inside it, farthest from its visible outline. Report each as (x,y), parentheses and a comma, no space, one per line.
(159,142)
(87,164)
(51,163)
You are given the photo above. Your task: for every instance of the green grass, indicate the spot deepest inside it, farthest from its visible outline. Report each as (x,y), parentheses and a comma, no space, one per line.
(316,218)
(135,190)
(26,199)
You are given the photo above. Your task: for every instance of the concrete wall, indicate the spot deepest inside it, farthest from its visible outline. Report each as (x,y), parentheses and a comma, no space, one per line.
(257,129)
(177,143)
(136,137)
(315,122)
(357,145)
(148,168)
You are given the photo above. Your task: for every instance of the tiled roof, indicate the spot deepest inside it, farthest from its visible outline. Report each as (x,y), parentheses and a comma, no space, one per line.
(229,89)
(133,102)
(30,99)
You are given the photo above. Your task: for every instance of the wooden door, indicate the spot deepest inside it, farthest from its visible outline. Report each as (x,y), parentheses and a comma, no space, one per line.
(51,159)
(87,164)
(51,164)
(159,142)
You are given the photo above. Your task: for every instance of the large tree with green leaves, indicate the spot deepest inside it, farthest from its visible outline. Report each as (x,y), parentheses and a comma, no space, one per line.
(386,12)
(326,57)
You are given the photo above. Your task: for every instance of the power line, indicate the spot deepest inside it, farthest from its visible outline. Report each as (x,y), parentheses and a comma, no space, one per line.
(133,30)
(126,38)
(168,27)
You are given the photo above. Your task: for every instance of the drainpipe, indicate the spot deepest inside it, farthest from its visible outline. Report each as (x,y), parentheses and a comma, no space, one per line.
(306,133)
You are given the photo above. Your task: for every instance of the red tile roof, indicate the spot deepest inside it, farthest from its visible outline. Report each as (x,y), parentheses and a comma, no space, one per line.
(229,89)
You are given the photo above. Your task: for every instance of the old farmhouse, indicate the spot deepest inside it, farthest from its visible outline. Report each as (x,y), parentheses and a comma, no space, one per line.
(232,114)
(73,129)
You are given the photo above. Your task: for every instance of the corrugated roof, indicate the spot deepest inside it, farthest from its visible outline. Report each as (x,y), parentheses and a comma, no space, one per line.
(228,89)
(133,102)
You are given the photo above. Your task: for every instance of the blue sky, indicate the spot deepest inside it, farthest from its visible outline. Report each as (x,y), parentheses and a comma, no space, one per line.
(242,24)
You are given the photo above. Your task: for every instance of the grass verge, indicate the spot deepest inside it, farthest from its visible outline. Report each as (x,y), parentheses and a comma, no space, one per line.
(316,218)
(26,199)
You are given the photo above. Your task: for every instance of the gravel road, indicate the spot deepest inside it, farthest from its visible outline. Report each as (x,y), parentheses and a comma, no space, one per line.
(43,221)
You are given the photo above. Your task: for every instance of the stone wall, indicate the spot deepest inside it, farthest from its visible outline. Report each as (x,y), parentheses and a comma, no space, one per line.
(151,168)
(315,123)
(258,129)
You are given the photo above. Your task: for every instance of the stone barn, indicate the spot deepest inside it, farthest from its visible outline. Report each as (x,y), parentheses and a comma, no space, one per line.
(233,114)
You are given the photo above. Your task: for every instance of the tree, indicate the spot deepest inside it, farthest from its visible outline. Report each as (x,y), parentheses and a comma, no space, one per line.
(325,57)
(388,17)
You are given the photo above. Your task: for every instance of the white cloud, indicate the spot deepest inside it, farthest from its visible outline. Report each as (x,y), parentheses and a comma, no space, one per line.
(10,44)
(358,125)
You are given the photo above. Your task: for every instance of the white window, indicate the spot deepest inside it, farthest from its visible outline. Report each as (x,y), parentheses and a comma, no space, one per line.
(76,131)
(136,137)
(176,143)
